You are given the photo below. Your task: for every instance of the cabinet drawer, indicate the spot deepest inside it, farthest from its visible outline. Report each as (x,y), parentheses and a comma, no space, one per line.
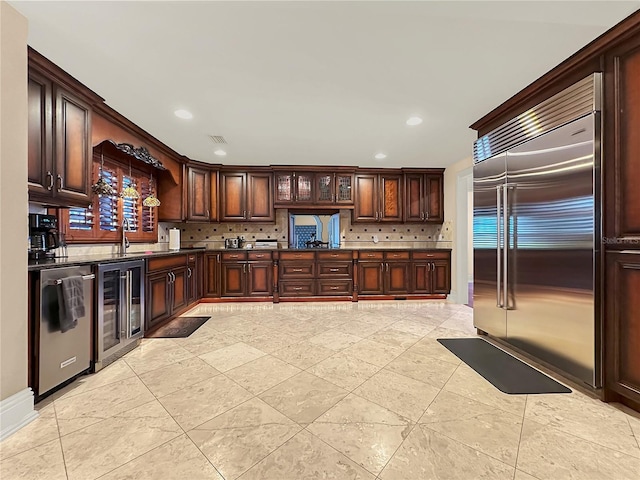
(399,255)
(233,256)
(166,263)
(297,270)
(297,289)
(335,287)
(335,270)
(297,256)
(430,255)
(371,255)
(260,256)
(333,255)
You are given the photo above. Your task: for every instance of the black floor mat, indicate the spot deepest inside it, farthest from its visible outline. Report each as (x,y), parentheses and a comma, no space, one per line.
(506,373)
(179,327)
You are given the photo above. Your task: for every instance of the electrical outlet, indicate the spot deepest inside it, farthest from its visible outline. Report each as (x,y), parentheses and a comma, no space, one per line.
(242,238)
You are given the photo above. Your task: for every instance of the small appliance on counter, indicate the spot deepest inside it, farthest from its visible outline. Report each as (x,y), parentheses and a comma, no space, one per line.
(174,239)
(43,236)
(233,243)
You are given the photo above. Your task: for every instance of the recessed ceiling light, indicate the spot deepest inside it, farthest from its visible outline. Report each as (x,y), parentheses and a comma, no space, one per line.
(380,156)
(220,152)
(184,114)
(412,121)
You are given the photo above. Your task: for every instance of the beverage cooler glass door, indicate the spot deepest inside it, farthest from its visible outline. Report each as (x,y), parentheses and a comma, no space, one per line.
(109,309)
(135,300)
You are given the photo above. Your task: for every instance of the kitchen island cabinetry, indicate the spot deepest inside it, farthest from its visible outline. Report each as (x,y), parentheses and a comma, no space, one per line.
(246,196)
(166,289)
(378,197)
(59,137)
(246,274)
(424,196)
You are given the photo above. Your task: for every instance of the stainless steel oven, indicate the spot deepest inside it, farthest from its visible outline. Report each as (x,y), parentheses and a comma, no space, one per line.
(120,309)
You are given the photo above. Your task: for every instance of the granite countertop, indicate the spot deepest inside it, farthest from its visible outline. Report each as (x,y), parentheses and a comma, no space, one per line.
(116,257)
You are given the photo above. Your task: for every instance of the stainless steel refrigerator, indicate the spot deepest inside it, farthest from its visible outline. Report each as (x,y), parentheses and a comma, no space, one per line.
(536,234)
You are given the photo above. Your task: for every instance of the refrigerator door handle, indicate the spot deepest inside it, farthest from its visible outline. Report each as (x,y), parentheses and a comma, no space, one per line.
(506,240)
(499,303)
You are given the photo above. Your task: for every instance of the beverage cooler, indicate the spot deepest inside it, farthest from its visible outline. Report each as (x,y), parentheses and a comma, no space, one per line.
(120,309)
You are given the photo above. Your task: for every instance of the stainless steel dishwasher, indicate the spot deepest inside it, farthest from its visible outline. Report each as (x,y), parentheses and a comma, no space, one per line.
(62,355)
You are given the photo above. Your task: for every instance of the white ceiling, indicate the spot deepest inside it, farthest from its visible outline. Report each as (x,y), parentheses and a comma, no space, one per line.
(318,83)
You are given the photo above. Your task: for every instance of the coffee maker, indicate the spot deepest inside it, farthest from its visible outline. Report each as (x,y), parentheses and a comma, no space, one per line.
(43,235)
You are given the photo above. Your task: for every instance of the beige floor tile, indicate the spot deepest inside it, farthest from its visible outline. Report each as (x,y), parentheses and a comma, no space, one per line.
(304,397)
(344,370)
(242,436)
(413,327)
(546,452)
(374,352)
(178,459)
(585,418)
(365,432)
(428,455)
(394,338)
(442,332)
(152,355)
(80,411)
(462,322)
(430,347)
(400,394)
(44,462)
(479,426)
(262,374)
(334,340)
(468,383)
(357,328)
(42,430)
(424,369)
(306,457)
(205,340)
(100,448)
(166,380)
(520,475)
(202,401)
(271,341)
(304,354)
(113,373)
(232,356)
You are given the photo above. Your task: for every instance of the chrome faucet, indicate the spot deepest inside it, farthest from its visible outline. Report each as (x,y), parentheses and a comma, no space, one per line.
(125,241)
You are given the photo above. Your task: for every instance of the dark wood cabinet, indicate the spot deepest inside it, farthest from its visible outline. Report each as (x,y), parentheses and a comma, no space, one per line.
(371,278)
(306,189)
(378,197)
(59,144)
(167,289)
(245,274)
(622,150)
(211,287)
(198,194)
(424,196)
(321,273)
(431,272)
(622,328)
(194,278)
(246,197)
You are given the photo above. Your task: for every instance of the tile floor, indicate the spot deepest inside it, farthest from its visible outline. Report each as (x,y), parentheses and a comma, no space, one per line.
(316,391)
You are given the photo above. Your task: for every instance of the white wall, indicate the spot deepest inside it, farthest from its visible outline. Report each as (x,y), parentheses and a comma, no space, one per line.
(450,215)
(13,201)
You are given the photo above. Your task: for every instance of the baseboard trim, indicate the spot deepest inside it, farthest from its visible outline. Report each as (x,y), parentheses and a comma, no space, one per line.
(16,411)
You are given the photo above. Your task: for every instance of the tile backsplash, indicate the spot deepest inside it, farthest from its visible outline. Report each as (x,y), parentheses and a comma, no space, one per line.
(376,235)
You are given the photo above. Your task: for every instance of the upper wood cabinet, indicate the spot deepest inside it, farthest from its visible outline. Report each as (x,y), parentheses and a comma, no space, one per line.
(424,196)
(378,197)
(202,196)
(622,147)
(59,148)
(313,189)
(246,196)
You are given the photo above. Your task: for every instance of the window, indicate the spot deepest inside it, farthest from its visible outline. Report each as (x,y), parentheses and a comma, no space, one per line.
(101,221)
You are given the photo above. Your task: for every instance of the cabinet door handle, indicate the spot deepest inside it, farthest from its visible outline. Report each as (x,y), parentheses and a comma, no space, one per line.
(334,269)
(426,216)
(421,215)
(188,272)
(218,257)
(333,288)
(370,255)
(169,275)
(208,213)
(376,216)
(259,256)
(244,214)
(334,255)
(50,177)
(60,182)
(297,288)
(248,214)
(387,268)
(296,269)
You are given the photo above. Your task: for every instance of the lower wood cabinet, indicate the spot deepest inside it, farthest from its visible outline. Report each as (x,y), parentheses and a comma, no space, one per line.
(431,272)
(622,328)
(245,274)
(211,280)
(167,288)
